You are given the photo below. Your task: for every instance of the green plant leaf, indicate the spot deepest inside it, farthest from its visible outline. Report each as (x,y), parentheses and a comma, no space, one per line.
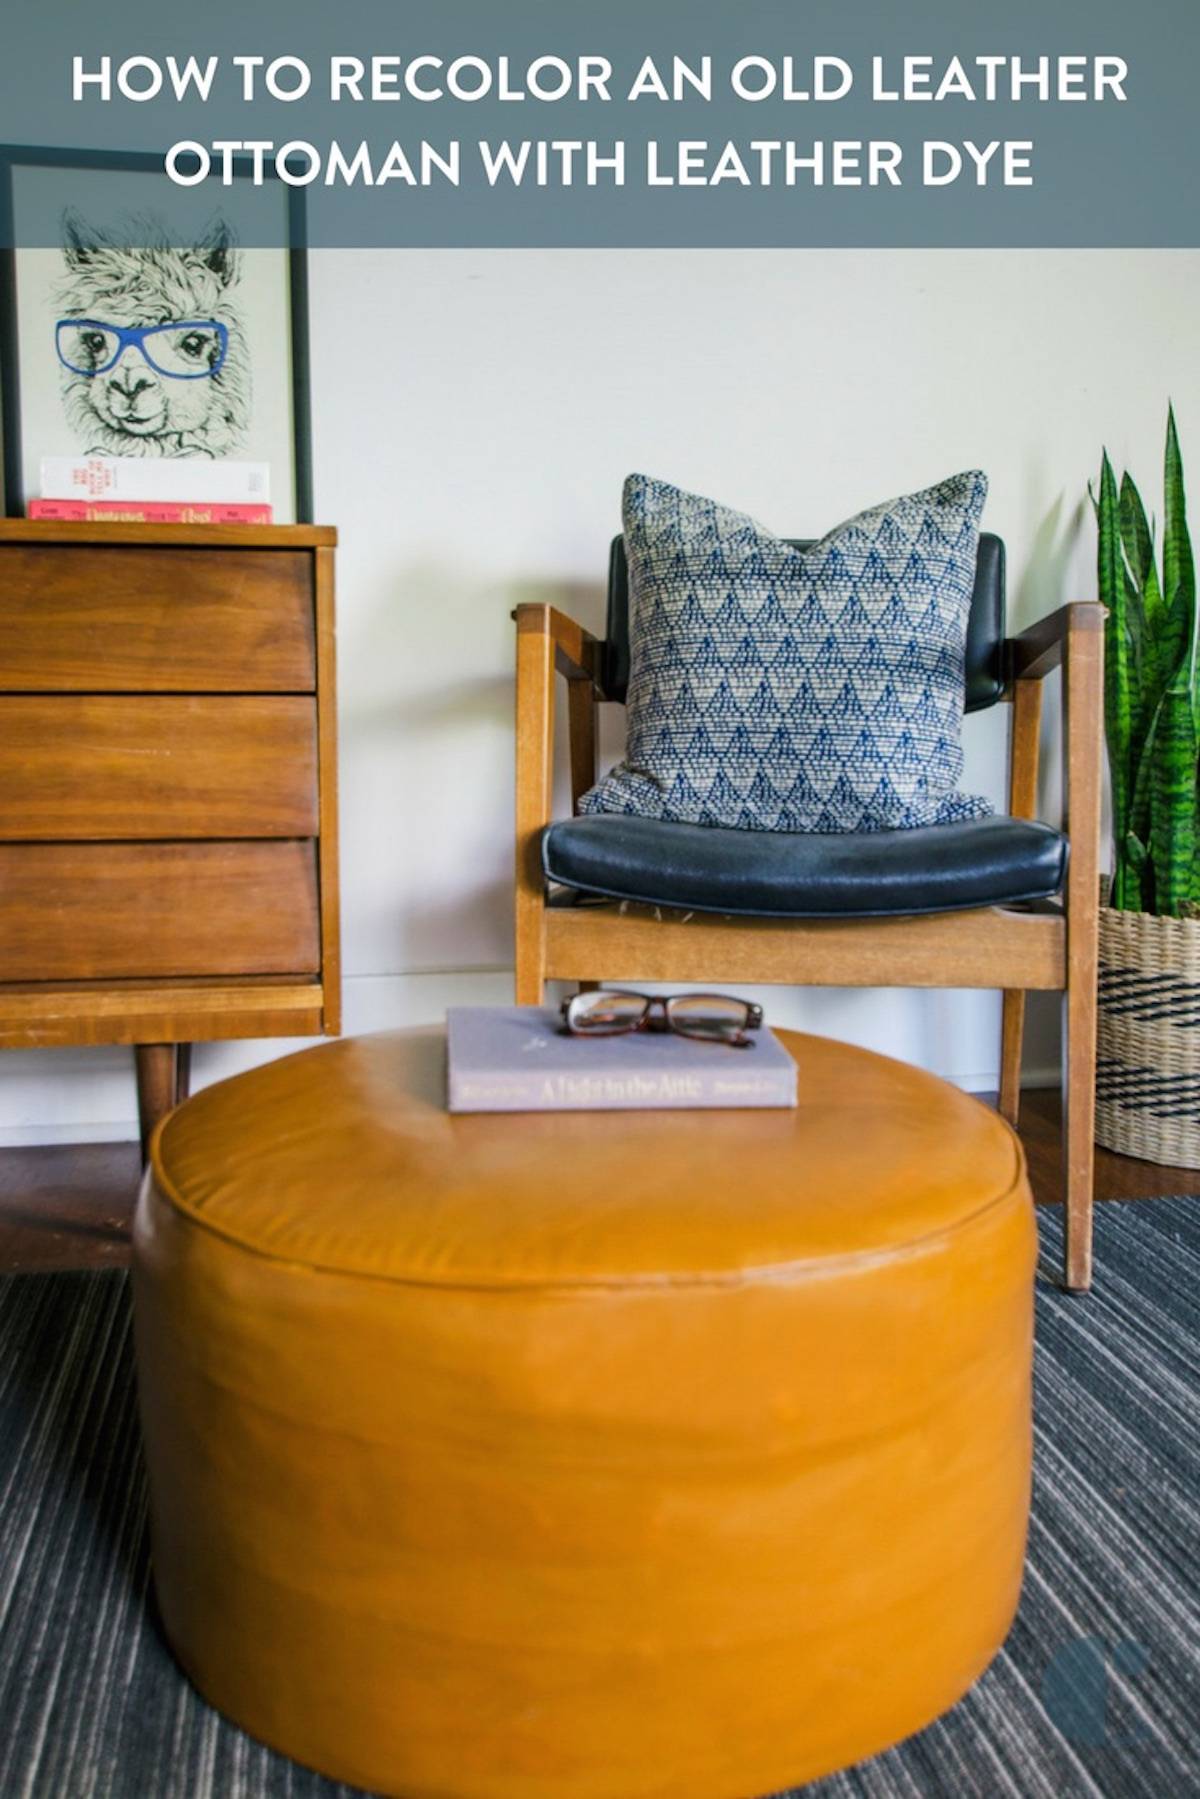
(1138,878)
(1119,702)
(1173,796)
(1152,690)
(1179,572)
(1136,536)
(1144,605)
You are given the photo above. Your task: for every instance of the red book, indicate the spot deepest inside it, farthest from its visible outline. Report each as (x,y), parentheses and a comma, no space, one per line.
(151,512)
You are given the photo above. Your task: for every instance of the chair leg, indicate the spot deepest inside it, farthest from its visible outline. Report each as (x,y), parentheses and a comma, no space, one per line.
(1012,1031)
(530,983)
(1079,1128)
(1083,739)
(530,935)
(530,971)
(535,756)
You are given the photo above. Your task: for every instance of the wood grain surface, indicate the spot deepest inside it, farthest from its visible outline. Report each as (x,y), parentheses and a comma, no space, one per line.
(97,911)
(54,1014)
(140,766)
(145,618)
(985,948)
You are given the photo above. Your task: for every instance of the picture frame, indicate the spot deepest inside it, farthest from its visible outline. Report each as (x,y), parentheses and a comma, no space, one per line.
(241,253)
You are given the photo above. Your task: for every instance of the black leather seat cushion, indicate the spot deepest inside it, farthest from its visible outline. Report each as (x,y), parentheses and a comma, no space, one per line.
(783,874)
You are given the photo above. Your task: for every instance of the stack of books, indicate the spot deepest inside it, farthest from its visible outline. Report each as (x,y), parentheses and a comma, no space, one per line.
(182,490)
(517,1059)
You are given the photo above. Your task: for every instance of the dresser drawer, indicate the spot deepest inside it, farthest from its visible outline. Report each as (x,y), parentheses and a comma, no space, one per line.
(100,911)
(133,766)
(143,618)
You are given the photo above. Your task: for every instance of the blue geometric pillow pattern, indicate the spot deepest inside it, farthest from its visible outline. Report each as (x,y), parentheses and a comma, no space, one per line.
(776,689)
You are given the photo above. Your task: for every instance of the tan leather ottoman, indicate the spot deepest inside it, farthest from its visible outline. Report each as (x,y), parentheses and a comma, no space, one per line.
(583,1456)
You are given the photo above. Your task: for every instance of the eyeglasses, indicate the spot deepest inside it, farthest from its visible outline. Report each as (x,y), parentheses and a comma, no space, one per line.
(715,1017)
(185,349)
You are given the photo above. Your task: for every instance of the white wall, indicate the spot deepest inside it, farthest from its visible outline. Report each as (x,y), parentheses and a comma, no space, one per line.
(474,416)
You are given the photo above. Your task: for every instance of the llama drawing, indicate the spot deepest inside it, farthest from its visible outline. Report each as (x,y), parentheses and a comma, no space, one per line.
(152,351)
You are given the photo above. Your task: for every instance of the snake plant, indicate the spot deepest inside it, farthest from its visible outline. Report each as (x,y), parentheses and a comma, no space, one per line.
(1152,693)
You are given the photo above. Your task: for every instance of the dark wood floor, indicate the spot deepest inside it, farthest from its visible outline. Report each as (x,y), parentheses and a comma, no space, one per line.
(1117,1177)
(70,1207)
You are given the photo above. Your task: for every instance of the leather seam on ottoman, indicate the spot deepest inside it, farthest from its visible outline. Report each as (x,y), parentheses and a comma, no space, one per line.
(816,1268)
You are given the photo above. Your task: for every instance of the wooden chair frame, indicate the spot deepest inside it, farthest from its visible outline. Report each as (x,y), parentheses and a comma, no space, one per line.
(1050,947)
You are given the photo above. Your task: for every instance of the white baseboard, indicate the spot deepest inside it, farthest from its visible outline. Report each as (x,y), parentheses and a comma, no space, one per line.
(37,1136)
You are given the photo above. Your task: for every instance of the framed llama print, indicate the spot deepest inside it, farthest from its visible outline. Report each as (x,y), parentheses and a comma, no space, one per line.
(151,325)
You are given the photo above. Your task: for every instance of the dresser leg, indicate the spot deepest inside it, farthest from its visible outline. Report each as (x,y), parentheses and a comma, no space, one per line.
(156,1085)
(183,1072)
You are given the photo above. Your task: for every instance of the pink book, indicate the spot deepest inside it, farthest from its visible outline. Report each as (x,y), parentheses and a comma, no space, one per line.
(517,1059)
(151,512)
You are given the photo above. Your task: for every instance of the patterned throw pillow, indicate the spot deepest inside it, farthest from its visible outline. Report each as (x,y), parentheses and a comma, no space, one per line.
(776,689)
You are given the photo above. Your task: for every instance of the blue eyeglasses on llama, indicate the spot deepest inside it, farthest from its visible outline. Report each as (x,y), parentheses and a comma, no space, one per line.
(181,349)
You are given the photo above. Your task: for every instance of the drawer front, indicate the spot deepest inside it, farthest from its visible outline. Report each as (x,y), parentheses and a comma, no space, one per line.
(132,766)
(100,911)
(97,618)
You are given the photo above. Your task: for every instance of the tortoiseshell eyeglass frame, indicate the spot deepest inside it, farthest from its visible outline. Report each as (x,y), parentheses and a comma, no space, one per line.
(656,1015)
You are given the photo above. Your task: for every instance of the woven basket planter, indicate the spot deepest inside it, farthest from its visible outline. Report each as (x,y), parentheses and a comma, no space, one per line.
(1148,1054)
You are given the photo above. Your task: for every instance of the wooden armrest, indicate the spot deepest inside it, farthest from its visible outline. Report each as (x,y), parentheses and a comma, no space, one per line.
(1033,653)
(576,651)
(1071,638)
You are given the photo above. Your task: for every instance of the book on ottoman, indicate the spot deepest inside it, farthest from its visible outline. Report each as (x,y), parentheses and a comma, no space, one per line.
(519,1059)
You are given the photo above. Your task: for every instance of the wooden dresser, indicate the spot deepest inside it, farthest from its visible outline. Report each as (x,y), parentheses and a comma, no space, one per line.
(168,789)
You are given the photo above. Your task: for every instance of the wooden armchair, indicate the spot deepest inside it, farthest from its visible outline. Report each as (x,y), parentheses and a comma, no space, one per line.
(573,933)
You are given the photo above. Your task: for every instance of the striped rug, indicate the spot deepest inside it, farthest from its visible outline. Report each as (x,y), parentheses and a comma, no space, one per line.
(1096,1693)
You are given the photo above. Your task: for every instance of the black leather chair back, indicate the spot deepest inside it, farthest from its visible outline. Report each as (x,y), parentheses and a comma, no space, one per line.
(985,628)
